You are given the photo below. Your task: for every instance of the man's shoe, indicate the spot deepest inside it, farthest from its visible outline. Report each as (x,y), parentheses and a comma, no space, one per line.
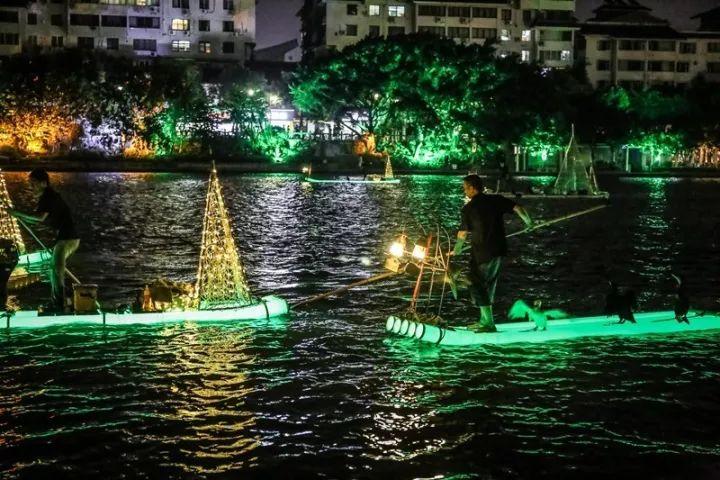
(477,328)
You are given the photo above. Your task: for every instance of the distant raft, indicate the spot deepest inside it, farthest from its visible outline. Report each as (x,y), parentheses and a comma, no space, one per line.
(264,308)
(565,329)
(374,181)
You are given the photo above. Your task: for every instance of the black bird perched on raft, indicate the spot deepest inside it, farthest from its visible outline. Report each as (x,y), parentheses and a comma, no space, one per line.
(682,300)
(620,303)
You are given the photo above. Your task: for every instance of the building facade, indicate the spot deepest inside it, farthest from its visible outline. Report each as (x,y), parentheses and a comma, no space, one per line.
(540,31)
(211,30)
(624,44)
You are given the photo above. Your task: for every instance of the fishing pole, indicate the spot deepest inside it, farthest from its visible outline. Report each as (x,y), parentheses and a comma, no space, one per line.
(344,289)
(42,245)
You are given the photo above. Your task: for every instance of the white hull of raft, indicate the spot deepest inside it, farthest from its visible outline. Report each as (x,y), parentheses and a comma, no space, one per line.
(566,329)
(268,307)
(35,258)
(351,180)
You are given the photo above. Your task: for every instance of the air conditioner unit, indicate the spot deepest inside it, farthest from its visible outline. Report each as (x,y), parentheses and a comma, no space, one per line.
(391,19)
(340,32)
(464,20)
(541,43)
(185,11)
(438,19)
(365,12)
(154,9)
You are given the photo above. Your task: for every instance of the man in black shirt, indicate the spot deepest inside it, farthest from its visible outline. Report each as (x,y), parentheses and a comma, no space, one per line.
(482,218)
(53,211)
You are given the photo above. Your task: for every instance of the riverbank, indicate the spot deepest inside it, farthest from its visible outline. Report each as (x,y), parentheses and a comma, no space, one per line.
(330,168)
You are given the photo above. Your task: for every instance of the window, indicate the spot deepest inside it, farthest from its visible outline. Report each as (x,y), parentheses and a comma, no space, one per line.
(374,31)
(32,18)
(431,11)
(57,42)
(713,67)
(180,24)
(478,12)
(458,11)
(146,3)
(145,22)
(204,25)
(566,35)
(505,35)
(204,47)
(506,15)
(228,47)
(228,26)
(351,9)
(661,46)
(484,32)
(713,47)
(632,45)
(603,45)
(180,46)
(351,30)
(181,3)
(9,39)
(565,55)
(550,55)
(525,55)
(86,42)
(145,44)
(114,21)
(112,44)
(395,31)
(229,5)
(458,32)
(374,10)
(56,20)
(439,31)
(396,11)
(84,20)
(526,35)
(9,16)
(631,65)
(682,67)
(659,66)
(686,47)
(32,40)
(204,4)
(603,65)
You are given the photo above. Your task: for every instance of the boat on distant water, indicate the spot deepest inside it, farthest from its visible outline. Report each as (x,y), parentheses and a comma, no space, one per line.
(563,329)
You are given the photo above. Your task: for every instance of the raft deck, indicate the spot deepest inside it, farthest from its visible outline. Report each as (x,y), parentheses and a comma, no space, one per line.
(565,329)
(267,307)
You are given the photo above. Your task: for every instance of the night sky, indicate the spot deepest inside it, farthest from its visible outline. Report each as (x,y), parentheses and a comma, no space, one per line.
(277,21)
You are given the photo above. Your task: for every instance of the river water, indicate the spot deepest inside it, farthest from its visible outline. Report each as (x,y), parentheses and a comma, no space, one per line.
(325,392)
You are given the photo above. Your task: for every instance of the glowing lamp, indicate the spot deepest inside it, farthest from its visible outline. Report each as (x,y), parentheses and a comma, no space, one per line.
(419,252)
(397,249)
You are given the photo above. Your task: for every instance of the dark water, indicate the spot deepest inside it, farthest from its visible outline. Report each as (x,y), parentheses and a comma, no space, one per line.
(325,393)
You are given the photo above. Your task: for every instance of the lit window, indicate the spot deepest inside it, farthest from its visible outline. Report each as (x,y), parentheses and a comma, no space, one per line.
(525,55)
(374,10)
(526,34)
(505,35)
(396,11)
(180,46)
(205,47)
(180,24)
(565,55)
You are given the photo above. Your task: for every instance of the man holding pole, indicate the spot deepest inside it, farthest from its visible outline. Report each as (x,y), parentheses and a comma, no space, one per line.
(53,211)
(482,218)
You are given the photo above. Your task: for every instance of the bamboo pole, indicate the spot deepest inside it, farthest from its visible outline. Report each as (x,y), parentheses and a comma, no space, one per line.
(344,289)
(557,220)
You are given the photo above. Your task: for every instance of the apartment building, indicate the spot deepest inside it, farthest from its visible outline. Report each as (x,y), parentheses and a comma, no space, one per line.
(624,44)
(535,30)
(208,30)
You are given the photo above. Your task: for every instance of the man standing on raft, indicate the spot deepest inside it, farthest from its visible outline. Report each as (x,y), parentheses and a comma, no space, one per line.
(52,210)
(482,218)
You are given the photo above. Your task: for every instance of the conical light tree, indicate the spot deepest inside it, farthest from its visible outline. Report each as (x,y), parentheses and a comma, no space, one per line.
(221,278)
(388,168)
(8,224)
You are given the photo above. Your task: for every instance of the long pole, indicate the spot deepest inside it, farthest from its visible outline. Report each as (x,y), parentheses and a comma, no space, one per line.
(344,289)
(557,220)
(42,245)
